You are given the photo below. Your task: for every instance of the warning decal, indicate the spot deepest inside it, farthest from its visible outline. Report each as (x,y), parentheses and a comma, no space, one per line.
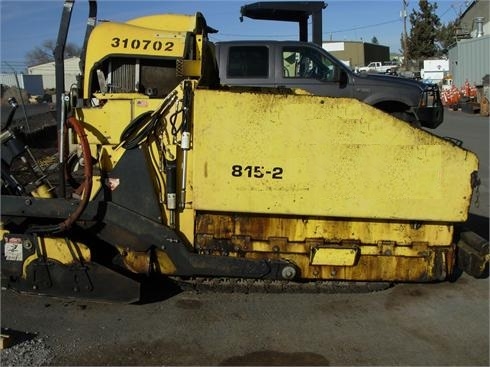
(13,249)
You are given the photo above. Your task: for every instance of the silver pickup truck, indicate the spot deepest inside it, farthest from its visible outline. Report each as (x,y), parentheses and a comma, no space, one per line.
(294,64)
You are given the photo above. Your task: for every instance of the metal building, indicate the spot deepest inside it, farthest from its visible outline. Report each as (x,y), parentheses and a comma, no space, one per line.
(470,61)
(354,53)
(469,58)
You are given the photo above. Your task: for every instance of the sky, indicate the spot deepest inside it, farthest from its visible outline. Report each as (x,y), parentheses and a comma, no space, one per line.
(26,24)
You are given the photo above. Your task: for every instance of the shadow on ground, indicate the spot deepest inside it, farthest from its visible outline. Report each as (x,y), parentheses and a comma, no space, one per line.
(477,224)
(273,358)
(158,289)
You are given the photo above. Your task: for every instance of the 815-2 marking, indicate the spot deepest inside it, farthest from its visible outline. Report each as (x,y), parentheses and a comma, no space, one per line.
(238,170)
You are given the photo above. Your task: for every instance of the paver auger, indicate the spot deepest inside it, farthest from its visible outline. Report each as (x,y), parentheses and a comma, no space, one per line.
(163,173)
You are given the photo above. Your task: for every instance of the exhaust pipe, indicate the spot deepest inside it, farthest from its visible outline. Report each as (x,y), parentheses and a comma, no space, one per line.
(479,26)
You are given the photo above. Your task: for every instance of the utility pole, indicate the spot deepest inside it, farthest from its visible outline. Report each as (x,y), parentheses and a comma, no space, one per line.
(405,41)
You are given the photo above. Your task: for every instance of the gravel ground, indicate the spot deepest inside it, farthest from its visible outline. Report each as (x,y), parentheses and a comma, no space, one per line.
(30,352)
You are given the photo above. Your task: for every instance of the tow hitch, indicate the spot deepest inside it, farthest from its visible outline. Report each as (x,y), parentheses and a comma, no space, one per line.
(473,254)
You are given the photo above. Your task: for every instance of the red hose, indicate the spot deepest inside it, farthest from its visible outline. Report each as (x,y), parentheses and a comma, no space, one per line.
(87,183)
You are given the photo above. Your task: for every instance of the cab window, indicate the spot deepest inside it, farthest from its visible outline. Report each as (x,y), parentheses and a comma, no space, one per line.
(306,62)
(248,62)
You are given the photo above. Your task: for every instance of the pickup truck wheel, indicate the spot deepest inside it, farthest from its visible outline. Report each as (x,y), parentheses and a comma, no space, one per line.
(416,124)
(407,117)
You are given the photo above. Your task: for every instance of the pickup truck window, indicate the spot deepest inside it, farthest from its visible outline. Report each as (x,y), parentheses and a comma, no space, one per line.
(248,62)
(305,62)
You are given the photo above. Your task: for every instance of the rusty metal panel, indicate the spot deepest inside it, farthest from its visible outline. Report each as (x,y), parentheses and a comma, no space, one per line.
(267,227)
(332,249)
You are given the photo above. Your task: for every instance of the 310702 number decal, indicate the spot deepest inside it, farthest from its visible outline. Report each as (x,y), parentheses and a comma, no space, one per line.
(141,44)
(238,170)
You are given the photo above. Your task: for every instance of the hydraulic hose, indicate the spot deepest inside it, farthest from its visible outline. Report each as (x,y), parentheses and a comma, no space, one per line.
(143,125)
(137,130)
(86,186)
(13,104)
(87,170)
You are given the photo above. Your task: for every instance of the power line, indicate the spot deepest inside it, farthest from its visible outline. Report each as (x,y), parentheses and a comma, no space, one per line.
(325,33)
(7,66)
(365,26)
(256,35)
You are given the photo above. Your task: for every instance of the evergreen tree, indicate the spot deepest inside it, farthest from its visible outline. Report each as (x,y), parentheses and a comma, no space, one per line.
(446,36)
(374,40)
(421,43)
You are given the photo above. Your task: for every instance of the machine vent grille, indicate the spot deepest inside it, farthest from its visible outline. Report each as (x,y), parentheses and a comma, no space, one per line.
(123,76)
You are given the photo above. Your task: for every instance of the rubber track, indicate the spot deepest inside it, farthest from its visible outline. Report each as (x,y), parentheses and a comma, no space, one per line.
(236,285)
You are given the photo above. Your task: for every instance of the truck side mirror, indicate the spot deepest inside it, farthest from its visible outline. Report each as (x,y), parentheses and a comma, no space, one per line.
(340,76)
(343,78)
(336,74)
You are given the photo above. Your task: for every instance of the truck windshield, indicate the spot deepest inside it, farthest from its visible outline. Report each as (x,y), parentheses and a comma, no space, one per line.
(306,62)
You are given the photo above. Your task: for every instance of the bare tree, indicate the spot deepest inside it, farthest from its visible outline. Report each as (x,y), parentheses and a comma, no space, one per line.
(45,53)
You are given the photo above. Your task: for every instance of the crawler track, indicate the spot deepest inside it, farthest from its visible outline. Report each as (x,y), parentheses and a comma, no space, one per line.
(238,285)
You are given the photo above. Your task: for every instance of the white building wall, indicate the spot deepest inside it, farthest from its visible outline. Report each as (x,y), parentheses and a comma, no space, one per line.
(9,80)
(32,84)
(48,73)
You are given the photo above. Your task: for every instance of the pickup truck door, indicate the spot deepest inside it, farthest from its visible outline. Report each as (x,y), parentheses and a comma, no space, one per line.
(305,67)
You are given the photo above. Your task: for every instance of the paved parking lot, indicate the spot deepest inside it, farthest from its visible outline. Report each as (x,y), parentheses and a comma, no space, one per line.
(474,132)
(409,324)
